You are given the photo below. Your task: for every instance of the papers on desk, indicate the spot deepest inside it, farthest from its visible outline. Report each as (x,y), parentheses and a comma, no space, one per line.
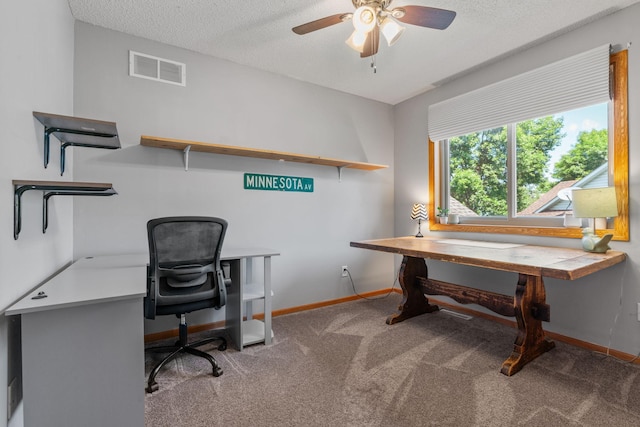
(491,245)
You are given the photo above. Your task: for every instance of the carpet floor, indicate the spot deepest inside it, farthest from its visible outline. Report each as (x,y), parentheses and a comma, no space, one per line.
(343,366)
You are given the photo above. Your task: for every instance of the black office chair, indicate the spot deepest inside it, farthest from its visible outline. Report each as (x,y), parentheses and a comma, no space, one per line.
(184,275)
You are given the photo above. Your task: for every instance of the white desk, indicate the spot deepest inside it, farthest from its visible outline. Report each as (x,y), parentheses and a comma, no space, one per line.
(82,345)
(243,292)
(242,328)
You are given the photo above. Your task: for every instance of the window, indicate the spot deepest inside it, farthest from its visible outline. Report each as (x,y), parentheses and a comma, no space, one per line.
(476,179)
(550,154)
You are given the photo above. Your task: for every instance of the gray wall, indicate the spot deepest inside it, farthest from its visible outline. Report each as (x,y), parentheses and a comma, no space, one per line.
(601,308)
(230,104)
(36,47)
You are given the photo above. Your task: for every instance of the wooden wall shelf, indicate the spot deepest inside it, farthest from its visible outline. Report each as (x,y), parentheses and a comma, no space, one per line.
(187,146)
(49,189)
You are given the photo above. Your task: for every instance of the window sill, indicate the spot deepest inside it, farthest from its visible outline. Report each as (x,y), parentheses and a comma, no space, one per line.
(570,233)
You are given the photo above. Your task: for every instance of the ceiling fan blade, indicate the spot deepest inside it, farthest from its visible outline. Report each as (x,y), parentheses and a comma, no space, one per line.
(371,43)
(429,17)
(321,23)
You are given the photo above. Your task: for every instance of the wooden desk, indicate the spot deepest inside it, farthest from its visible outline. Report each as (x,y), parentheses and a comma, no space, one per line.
(528,306)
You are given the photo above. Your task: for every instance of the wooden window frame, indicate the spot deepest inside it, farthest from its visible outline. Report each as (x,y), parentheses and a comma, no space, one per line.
(620,153)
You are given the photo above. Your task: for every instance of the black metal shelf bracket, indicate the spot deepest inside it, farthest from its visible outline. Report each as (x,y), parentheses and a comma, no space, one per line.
(78,132)
(50,189)
(63,144)
(47,195)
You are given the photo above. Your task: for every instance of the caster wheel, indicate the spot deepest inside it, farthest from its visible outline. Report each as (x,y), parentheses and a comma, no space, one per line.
(152,387)
(217,371)
(222,347)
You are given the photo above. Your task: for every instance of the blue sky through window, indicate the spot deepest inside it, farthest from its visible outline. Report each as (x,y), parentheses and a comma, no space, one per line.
(576,121)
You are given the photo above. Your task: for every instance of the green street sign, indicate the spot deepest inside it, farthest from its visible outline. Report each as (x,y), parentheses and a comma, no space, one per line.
(256,181)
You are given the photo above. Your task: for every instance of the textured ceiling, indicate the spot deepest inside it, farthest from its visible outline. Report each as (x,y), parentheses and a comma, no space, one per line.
(258,34)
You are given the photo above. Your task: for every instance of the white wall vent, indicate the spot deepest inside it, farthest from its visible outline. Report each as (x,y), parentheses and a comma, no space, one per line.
(159,69)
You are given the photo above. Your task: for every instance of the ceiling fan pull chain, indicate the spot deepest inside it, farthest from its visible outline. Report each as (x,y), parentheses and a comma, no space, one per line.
(373,63)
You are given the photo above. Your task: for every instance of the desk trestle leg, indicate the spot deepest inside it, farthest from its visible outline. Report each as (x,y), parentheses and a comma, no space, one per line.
(528,306)
(530,311)
(414,303)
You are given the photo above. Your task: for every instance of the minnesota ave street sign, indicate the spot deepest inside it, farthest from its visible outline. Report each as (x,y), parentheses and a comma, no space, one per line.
(254,181)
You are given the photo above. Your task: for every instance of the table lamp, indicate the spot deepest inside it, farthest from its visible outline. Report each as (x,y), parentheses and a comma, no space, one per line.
(595,203)
(419,212)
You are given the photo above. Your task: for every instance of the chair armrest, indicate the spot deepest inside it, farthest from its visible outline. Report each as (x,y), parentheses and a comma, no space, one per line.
(222,289)
(226,271)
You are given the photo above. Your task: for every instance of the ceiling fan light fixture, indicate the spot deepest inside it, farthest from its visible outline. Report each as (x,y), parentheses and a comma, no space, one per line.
(364,19)
(398,12)
(356,41)
(391,30)
(371,17)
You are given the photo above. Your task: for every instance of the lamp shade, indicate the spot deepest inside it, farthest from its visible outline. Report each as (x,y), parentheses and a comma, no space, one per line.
(595,202)
(356,41)
(419,211)
(391,30)
(364,19)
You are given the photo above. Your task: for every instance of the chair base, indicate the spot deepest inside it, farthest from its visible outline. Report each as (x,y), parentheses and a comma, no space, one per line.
(179,347)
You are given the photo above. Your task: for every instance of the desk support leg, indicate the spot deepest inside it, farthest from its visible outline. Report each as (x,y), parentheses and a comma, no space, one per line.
(267,300)
(414,302)
(530,342)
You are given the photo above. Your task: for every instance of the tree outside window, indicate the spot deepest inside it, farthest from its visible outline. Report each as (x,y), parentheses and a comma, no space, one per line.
(545,158)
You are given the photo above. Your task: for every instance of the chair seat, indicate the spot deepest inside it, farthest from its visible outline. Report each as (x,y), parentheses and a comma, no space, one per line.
(180,295)
(187,307)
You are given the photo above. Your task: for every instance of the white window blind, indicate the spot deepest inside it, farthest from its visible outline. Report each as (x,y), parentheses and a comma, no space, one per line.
(571,83)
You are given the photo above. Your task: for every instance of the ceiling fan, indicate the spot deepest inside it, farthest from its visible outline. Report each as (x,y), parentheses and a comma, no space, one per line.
(374,16)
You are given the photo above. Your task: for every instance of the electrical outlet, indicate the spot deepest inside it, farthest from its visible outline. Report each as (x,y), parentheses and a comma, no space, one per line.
(345,271)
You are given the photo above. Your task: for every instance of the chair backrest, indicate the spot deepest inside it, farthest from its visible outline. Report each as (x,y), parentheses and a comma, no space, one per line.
(184,271)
